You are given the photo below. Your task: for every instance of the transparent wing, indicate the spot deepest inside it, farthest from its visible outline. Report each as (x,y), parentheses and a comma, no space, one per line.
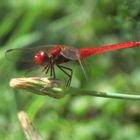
(24,57)
(83,69)
(70,53)
(26,54)
(74,55)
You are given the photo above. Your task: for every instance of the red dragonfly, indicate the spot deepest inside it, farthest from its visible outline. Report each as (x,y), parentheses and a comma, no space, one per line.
(54,55)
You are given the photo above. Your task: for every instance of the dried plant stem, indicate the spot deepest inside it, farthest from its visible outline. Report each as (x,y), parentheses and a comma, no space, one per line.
(57,89)
(28,128)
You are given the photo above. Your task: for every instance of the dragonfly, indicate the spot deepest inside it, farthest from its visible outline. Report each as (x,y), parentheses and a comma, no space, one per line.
(49,56)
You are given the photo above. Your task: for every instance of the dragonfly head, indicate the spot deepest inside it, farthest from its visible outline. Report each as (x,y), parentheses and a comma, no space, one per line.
(40,57)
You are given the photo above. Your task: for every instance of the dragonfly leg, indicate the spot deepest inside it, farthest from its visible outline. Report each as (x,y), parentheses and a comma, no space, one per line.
(45,68)
(50,67)
(69,75)
(52,71)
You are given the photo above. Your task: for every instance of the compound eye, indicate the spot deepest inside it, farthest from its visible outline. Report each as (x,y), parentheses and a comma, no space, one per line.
(40,57)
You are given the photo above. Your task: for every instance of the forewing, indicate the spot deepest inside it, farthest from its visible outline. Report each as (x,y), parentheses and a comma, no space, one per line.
(24,57)
(74,55)
(70,53)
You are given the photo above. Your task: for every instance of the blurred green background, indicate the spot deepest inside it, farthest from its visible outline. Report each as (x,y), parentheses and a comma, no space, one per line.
(77,23)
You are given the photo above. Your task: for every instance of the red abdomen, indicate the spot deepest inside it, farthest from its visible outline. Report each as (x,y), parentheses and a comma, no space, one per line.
(85,52)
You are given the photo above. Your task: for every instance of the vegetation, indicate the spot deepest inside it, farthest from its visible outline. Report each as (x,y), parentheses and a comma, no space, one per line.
(83,23)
